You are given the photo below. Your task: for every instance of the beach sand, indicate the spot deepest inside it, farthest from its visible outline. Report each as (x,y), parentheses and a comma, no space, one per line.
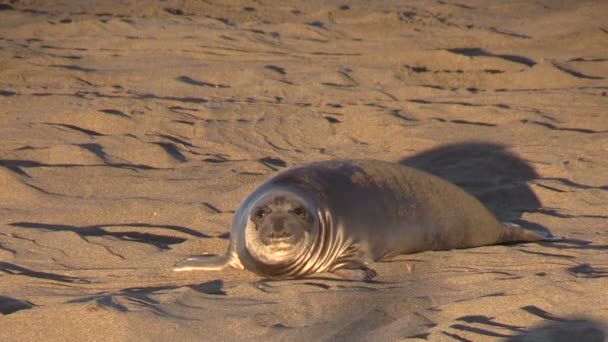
(130,131)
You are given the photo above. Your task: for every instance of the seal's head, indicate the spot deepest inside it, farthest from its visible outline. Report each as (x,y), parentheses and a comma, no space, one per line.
(280,227)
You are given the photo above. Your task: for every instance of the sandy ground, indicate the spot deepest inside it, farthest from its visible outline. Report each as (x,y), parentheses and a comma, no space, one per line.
(130,131)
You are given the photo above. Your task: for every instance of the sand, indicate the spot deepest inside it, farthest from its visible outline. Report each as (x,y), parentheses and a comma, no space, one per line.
(130,131)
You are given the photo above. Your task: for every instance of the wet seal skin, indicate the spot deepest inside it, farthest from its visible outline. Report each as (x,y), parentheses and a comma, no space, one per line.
(337,216)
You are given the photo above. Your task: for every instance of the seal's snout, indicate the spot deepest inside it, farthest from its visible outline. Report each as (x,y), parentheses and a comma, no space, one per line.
(278,226)
(281,228)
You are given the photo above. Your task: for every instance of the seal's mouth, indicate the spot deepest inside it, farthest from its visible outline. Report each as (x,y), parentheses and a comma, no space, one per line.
(284,242)
(279,248)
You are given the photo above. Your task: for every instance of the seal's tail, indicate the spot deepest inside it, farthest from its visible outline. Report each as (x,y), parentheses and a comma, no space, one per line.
(515,233)
(207,263)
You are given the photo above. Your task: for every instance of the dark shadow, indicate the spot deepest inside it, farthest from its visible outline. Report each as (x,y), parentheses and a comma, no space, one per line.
(276,69)
(319,285)
(34,11)
(173,151)
(332,120)
(214,287)
(8,305)
(478,52)
(488,171)
(18,165)
(318,24)
(96,149)
(578,244)
(171,98)
(509,33)
(557,213)
(556,128)
(327,277)
(587,271)
(7,93)
(18,270)
(140,296)
(174,11)
(489,334)
(225,235)
(273,163)
(191,81)
(538,312)
(77,129)
(461,103)
(553,328)
(400,115)
(575,73)
(489,321)
(497,294)
(10,250)
(114,112)
(73,67)
(564,330)
(158,240)
(225,21)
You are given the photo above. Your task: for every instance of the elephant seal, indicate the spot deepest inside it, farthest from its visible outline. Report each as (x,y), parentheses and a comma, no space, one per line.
(338,215)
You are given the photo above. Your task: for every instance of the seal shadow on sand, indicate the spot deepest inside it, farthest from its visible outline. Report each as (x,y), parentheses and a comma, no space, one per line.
(564,330)
(497,177)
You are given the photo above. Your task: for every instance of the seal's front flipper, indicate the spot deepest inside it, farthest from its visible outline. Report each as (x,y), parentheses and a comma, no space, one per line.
(208,263)
(361,274)
(353,269)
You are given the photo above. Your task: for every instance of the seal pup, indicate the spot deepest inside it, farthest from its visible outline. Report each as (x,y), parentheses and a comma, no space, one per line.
(337,216)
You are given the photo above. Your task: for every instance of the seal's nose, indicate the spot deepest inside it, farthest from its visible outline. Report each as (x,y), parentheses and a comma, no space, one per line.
(278,229)
(278,225)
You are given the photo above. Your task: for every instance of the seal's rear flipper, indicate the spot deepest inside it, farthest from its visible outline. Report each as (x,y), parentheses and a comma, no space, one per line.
(207,263)
(514,233)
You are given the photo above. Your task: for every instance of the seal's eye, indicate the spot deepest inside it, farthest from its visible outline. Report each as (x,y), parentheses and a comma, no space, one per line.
(299,211)
(260,213)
